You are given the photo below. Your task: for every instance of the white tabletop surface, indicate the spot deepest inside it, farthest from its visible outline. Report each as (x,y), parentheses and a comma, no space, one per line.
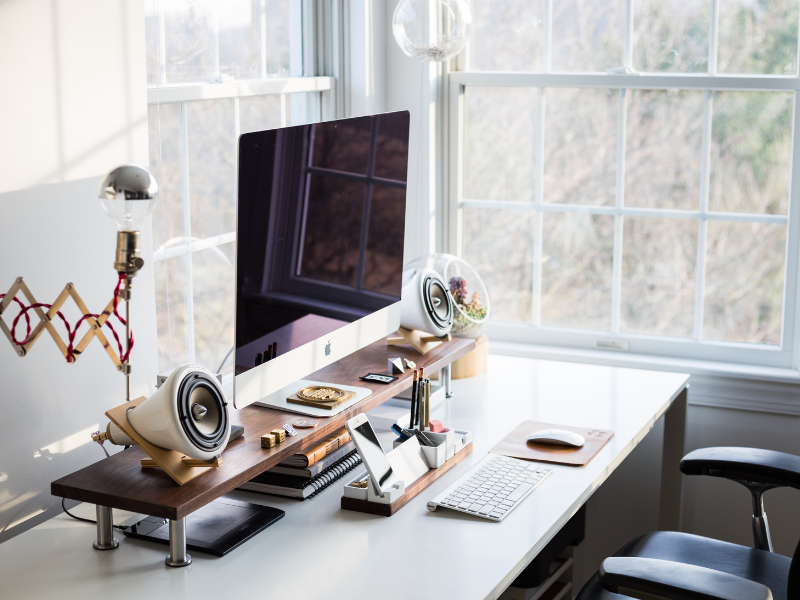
(318,550)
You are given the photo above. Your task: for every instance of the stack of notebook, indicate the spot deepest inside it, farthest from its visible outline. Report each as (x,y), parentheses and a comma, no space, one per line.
(307,474)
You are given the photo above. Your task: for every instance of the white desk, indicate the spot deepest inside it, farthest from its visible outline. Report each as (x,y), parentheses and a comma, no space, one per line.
(447,554)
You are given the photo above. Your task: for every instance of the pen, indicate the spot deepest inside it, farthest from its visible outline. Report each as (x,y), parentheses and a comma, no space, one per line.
(414,385)
(399,431)
(420,391)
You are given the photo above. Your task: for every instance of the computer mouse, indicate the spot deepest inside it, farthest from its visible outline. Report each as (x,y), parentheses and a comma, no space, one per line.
(557,437)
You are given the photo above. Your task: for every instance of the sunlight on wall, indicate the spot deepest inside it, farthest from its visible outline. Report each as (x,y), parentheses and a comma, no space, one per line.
(69,443)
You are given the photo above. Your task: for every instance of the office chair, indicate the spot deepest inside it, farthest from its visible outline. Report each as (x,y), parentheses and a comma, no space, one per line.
(681,566)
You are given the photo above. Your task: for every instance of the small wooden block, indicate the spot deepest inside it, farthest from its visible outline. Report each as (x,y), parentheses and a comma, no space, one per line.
(280,434)
(268,440)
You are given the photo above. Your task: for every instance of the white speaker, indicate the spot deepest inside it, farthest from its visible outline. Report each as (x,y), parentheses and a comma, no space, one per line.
(425,303)
(188,414)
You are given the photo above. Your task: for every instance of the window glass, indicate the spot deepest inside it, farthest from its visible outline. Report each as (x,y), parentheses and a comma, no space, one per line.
(659,259)
(212,167)
(499,245)
(744,282)
(577,259)
(499,144)
(507,35)
(758,36)
(580,164)
(664,149)
(588,35)
(671,35)
(751,152)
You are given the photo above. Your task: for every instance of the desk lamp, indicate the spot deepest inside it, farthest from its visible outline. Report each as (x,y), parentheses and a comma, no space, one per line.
(128,194)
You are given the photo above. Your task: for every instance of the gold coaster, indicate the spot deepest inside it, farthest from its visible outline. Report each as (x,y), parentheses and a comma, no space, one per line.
(320,396)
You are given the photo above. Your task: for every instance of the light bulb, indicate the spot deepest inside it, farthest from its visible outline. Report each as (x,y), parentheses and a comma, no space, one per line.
(128,194)
(432,30)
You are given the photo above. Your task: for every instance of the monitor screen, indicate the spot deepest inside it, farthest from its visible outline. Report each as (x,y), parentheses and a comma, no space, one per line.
(321,223)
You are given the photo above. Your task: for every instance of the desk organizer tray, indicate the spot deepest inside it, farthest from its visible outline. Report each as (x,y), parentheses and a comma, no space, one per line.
(355,499)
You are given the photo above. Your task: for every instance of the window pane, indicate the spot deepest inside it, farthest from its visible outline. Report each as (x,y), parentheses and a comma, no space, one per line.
(664,149)
(744,282)
(212,167)
(276,24)
(383,264)
(580,164)
(659,259)
(258,113)
(507,35)
(499,143)
(151,37)
(239,39)
(577,260)
(751,151)
(332,200)
(671,35)
(164,126)
(171,321)
(588,35)
(758,36)
(189,38)
(348,151)
(213,287)
(499,245)
(211,40)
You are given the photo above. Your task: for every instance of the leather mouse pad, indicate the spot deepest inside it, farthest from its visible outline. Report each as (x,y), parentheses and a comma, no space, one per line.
(515,444)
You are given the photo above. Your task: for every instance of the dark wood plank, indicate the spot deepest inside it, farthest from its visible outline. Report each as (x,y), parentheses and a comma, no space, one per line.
(120,482)
(387,510)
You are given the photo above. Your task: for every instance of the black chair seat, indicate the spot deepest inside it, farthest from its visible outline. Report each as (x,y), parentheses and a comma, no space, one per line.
(763,567)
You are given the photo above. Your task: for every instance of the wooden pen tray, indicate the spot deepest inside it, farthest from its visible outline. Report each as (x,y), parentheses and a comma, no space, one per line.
(387,510)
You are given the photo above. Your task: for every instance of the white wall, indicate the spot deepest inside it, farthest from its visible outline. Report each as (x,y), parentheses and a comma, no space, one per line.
(73,106)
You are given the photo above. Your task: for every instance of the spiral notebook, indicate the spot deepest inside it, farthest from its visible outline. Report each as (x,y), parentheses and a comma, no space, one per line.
(298,487)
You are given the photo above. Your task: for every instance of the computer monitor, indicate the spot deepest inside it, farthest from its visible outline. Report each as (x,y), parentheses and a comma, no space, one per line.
(319,255)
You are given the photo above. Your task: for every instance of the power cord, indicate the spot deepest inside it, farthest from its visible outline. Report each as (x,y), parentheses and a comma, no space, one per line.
(64,506)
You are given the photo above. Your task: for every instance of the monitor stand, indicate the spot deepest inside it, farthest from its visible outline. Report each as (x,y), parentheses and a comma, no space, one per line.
(217,528)
(278,399)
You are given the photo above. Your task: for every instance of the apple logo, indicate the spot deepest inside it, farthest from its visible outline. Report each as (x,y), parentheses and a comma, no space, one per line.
(328,348)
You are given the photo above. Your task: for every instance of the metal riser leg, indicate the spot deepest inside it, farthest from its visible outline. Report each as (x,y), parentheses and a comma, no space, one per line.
(177,544)
(105,529)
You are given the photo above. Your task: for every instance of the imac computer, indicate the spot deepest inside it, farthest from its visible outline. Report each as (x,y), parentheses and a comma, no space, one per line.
(319,253)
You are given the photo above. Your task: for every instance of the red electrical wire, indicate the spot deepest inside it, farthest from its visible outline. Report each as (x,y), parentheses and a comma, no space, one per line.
(71,332)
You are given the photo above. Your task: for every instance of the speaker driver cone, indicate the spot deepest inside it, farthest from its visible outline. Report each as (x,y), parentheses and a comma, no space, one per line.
(199,396)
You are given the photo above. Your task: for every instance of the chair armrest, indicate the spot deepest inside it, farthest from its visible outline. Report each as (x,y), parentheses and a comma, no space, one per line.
(775,469)
(675,581)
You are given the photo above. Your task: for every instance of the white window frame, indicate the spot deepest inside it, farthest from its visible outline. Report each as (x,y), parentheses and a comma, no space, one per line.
(786,355)
(315,53)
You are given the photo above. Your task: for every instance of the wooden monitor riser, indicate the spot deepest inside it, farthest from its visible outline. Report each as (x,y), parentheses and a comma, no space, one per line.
(121,482)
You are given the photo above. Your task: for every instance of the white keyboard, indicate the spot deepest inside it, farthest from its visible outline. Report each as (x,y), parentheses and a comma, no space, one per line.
(492,488)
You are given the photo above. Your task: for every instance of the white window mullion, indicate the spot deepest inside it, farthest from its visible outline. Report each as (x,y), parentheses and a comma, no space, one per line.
(162,49)
(456,168)
(187,231)
(538,227)
(215,48)
(702,226)
(790,337)
(713,38)
(547,50)
(619,203)
(627,59)
(262,23)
